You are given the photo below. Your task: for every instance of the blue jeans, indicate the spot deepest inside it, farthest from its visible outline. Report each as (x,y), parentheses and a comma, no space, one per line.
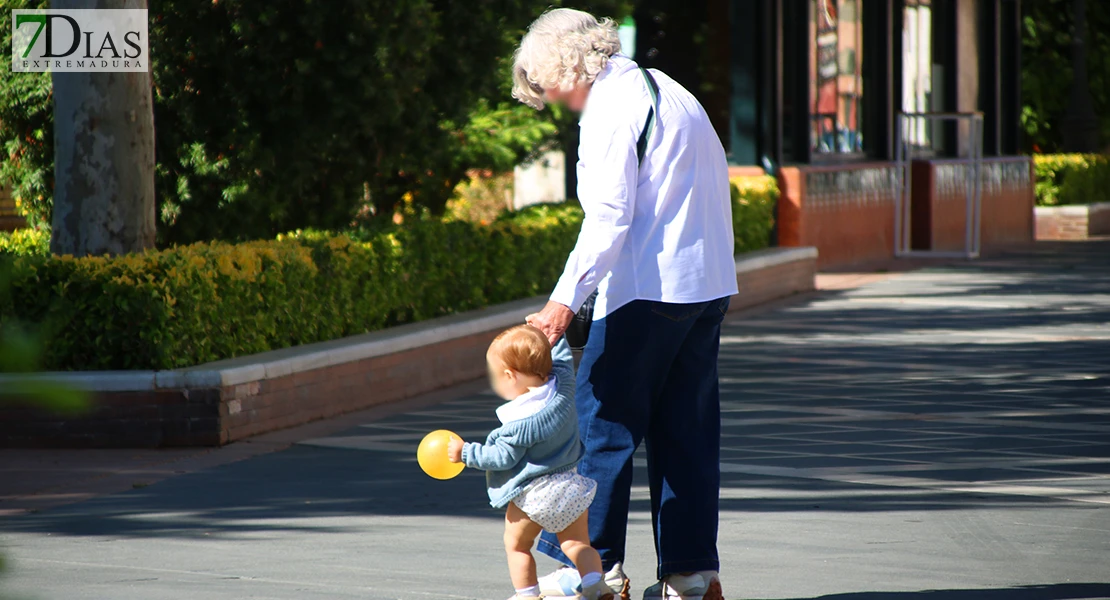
(649,373)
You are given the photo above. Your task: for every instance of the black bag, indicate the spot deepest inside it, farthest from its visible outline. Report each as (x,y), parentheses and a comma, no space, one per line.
(578,332)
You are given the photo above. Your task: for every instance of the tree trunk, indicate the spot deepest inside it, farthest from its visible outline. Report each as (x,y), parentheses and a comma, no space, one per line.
(103,157)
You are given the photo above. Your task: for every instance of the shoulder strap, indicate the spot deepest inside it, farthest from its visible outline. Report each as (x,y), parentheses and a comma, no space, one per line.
(649,123)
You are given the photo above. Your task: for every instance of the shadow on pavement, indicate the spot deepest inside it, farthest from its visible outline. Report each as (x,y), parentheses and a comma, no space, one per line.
(280,492)
(843,385)
(1056,591)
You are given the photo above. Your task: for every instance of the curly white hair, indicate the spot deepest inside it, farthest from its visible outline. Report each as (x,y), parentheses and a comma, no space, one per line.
(562,49)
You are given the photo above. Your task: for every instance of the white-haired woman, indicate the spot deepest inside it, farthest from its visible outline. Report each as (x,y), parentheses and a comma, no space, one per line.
(657,245)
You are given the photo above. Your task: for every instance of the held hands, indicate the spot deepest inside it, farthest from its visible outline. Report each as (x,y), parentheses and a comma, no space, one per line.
(454,449)
(553,320)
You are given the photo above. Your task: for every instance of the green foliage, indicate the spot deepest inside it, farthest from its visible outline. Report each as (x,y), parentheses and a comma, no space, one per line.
(481,198)
(497,138)
(753,211)
(501,133)
(1071,179)
(208,301)
(1047,70)
(1087,186)
(27,132)
(21,352)
(269,117)
(193,304)
(25,242)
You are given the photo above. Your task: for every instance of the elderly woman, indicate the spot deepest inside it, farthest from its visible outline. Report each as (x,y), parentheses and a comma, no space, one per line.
(657,245)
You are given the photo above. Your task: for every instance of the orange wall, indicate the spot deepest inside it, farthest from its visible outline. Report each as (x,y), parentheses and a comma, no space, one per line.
(1006,204)
(847,211)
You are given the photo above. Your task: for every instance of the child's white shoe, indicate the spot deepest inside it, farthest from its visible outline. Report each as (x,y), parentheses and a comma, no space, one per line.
(561,583)
(565,583)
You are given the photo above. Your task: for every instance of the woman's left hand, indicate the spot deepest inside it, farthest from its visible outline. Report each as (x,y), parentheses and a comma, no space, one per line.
(553,320)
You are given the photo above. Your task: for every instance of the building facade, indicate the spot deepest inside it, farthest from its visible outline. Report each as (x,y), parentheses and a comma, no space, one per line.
(812,91)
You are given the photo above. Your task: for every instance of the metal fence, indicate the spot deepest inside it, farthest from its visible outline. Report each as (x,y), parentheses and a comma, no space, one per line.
(916,136)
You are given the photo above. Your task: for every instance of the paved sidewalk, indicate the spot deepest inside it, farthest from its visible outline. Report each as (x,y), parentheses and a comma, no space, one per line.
(946,429)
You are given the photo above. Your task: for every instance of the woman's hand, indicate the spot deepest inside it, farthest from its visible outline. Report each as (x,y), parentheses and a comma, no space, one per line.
(553,320)
(454,449)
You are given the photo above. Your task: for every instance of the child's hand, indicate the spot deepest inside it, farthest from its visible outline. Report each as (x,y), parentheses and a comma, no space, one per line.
(454,449)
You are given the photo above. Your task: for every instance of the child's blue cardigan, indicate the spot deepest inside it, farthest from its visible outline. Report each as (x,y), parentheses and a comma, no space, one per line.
(546,442)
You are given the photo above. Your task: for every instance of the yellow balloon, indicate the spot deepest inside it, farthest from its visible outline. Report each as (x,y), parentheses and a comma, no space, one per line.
(432,455)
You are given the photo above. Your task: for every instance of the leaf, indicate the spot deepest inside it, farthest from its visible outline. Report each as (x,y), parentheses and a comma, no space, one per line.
(50,396)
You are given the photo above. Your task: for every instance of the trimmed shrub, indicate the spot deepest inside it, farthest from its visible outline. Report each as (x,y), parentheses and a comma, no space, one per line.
(208,301)
(1087,186)
(159,310)
(482,197)
(753,211)
(25,242)
(1071,179)
(194,304)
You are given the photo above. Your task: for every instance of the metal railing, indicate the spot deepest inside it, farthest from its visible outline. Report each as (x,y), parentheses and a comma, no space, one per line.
(969,143)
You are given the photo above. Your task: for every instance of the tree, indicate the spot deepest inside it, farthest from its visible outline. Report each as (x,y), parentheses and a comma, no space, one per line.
(273,116)
(1048,71)
(1080,124)
(276,116)
(103,157)
(27,133)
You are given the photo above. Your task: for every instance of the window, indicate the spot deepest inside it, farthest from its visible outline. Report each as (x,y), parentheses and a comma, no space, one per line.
(917,70)
(836,86)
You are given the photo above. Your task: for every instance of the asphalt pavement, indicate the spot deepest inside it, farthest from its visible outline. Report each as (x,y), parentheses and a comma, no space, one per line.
(942,434)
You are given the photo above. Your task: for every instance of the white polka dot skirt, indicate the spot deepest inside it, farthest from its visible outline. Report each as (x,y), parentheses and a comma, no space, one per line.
(556,501)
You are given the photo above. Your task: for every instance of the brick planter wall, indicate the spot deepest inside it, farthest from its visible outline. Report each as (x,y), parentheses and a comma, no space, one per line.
(270,404)
(762,284)
(1073,222)
(939,203)
(221,402)
(221,414)
(847,211)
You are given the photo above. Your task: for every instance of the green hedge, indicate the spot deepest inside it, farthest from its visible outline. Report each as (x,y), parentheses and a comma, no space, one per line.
(208,301)
(25,242)
(1071,179)
(753,211)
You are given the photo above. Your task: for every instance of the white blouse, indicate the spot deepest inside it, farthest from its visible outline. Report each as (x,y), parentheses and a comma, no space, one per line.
(657,231)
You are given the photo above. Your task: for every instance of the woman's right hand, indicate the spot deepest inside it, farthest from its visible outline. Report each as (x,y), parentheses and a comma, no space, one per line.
(553,320)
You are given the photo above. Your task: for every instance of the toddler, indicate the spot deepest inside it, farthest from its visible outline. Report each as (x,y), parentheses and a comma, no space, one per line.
(530,461)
